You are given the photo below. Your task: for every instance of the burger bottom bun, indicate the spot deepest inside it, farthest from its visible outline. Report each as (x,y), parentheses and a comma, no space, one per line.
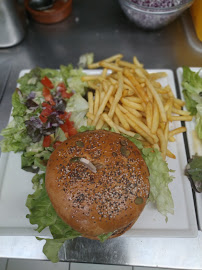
(116,233)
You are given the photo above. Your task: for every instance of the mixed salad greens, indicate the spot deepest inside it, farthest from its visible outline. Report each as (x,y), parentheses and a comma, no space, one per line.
(48,107)
(192,91)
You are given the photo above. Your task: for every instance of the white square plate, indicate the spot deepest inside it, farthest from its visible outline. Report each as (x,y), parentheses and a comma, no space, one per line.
(15,185)
(195,145)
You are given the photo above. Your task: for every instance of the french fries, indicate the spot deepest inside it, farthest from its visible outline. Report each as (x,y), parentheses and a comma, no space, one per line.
(130,100)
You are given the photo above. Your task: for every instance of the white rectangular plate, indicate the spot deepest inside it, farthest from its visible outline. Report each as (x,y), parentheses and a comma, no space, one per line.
(15,185)
(194,144)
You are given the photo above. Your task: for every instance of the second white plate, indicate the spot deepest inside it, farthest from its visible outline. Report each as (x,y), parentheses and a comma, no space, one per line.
(194,144)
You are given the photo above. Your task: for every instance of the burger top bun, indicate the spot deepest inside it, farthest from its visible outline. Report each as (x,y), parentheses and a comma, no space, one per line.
(97,182)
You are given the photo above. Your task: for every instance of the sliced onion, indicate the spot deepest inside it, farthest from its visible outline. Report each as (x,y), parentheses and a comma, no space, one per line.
(88,164)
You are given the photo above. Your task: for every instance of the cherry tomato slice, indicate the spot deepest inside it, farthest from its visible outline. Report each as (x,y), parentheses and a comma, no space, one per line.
(47,82)
(47,141)
(47,95)
(68,128)
(63,90)
(56,144)
(65,115)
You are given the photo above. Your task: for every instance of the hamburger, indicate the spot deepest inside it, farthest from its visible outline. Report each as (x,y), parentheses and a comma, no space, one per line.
(97,182)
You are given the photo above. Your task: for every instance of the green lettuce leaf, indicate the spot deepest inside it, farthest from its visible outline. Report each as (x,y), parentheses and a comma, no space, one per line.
(192,82)
(41,210)
(85,60)
(19,109)
(37,181)
(85,128)
(195,169)
(190,103)
(159,178)
(199,120)
(75,83)
(78,107)
(30,81)
(192,91)
(65,71)
(15,136)
(43,215)
(104,237)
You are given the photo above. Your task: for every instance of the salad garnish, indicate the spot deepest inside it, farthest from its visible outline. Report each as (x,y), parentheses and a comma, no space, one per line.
(192,91)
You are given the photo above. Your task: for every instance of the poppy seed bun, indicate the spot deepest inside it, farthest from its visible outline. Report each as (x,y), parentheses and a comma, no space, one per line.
(109,200)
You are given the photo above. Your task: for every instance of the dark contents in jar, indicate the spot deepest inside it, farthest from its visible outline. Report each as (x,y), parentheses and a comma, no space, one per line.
(158,3)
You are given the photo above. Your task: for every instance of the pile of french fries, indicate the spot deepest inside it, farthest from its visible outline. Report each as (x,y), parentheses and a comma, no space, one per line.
(130,100)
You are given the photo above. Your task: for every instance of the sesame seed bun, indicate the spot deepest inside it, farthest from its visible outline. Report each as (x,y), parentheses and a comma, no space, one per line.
(107,197)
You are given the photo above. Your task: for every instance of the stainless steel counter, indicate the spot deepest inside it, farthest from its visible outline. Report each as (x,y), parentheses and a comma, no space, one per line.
(102,28)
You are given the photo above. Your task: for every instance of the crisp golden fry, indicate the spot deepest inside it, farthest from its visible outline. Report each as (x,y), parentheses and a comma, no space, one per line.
(157,85)
(176,106)
(149,113)
(181,118)
(133,111)
(131,104)
(142,126)
(113,81)
(137,63)
(104,73)
(92,78)
(110,66)
(179,102)
(105,85)
(102,95)
(122,119)
(150,96)
(93,85)
(163,145)
(103,104)
(120,116)
(110,59)
(157,75)
(158,101)
(172,139)
(96,102)
(156,146)
(122,108)
(169,110)
(162,125)
(155,119)
(180,112)
(139,130)
(118,95)
(90,116)
(134,99)
(126,64)
(130,100)
(166,130)
(110,122)
(128,92)
(162,91)
(176,131)
(126,132)
(100,124)
(116,119)
(168,104)
(90,104)
(170,154)
(133,80)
